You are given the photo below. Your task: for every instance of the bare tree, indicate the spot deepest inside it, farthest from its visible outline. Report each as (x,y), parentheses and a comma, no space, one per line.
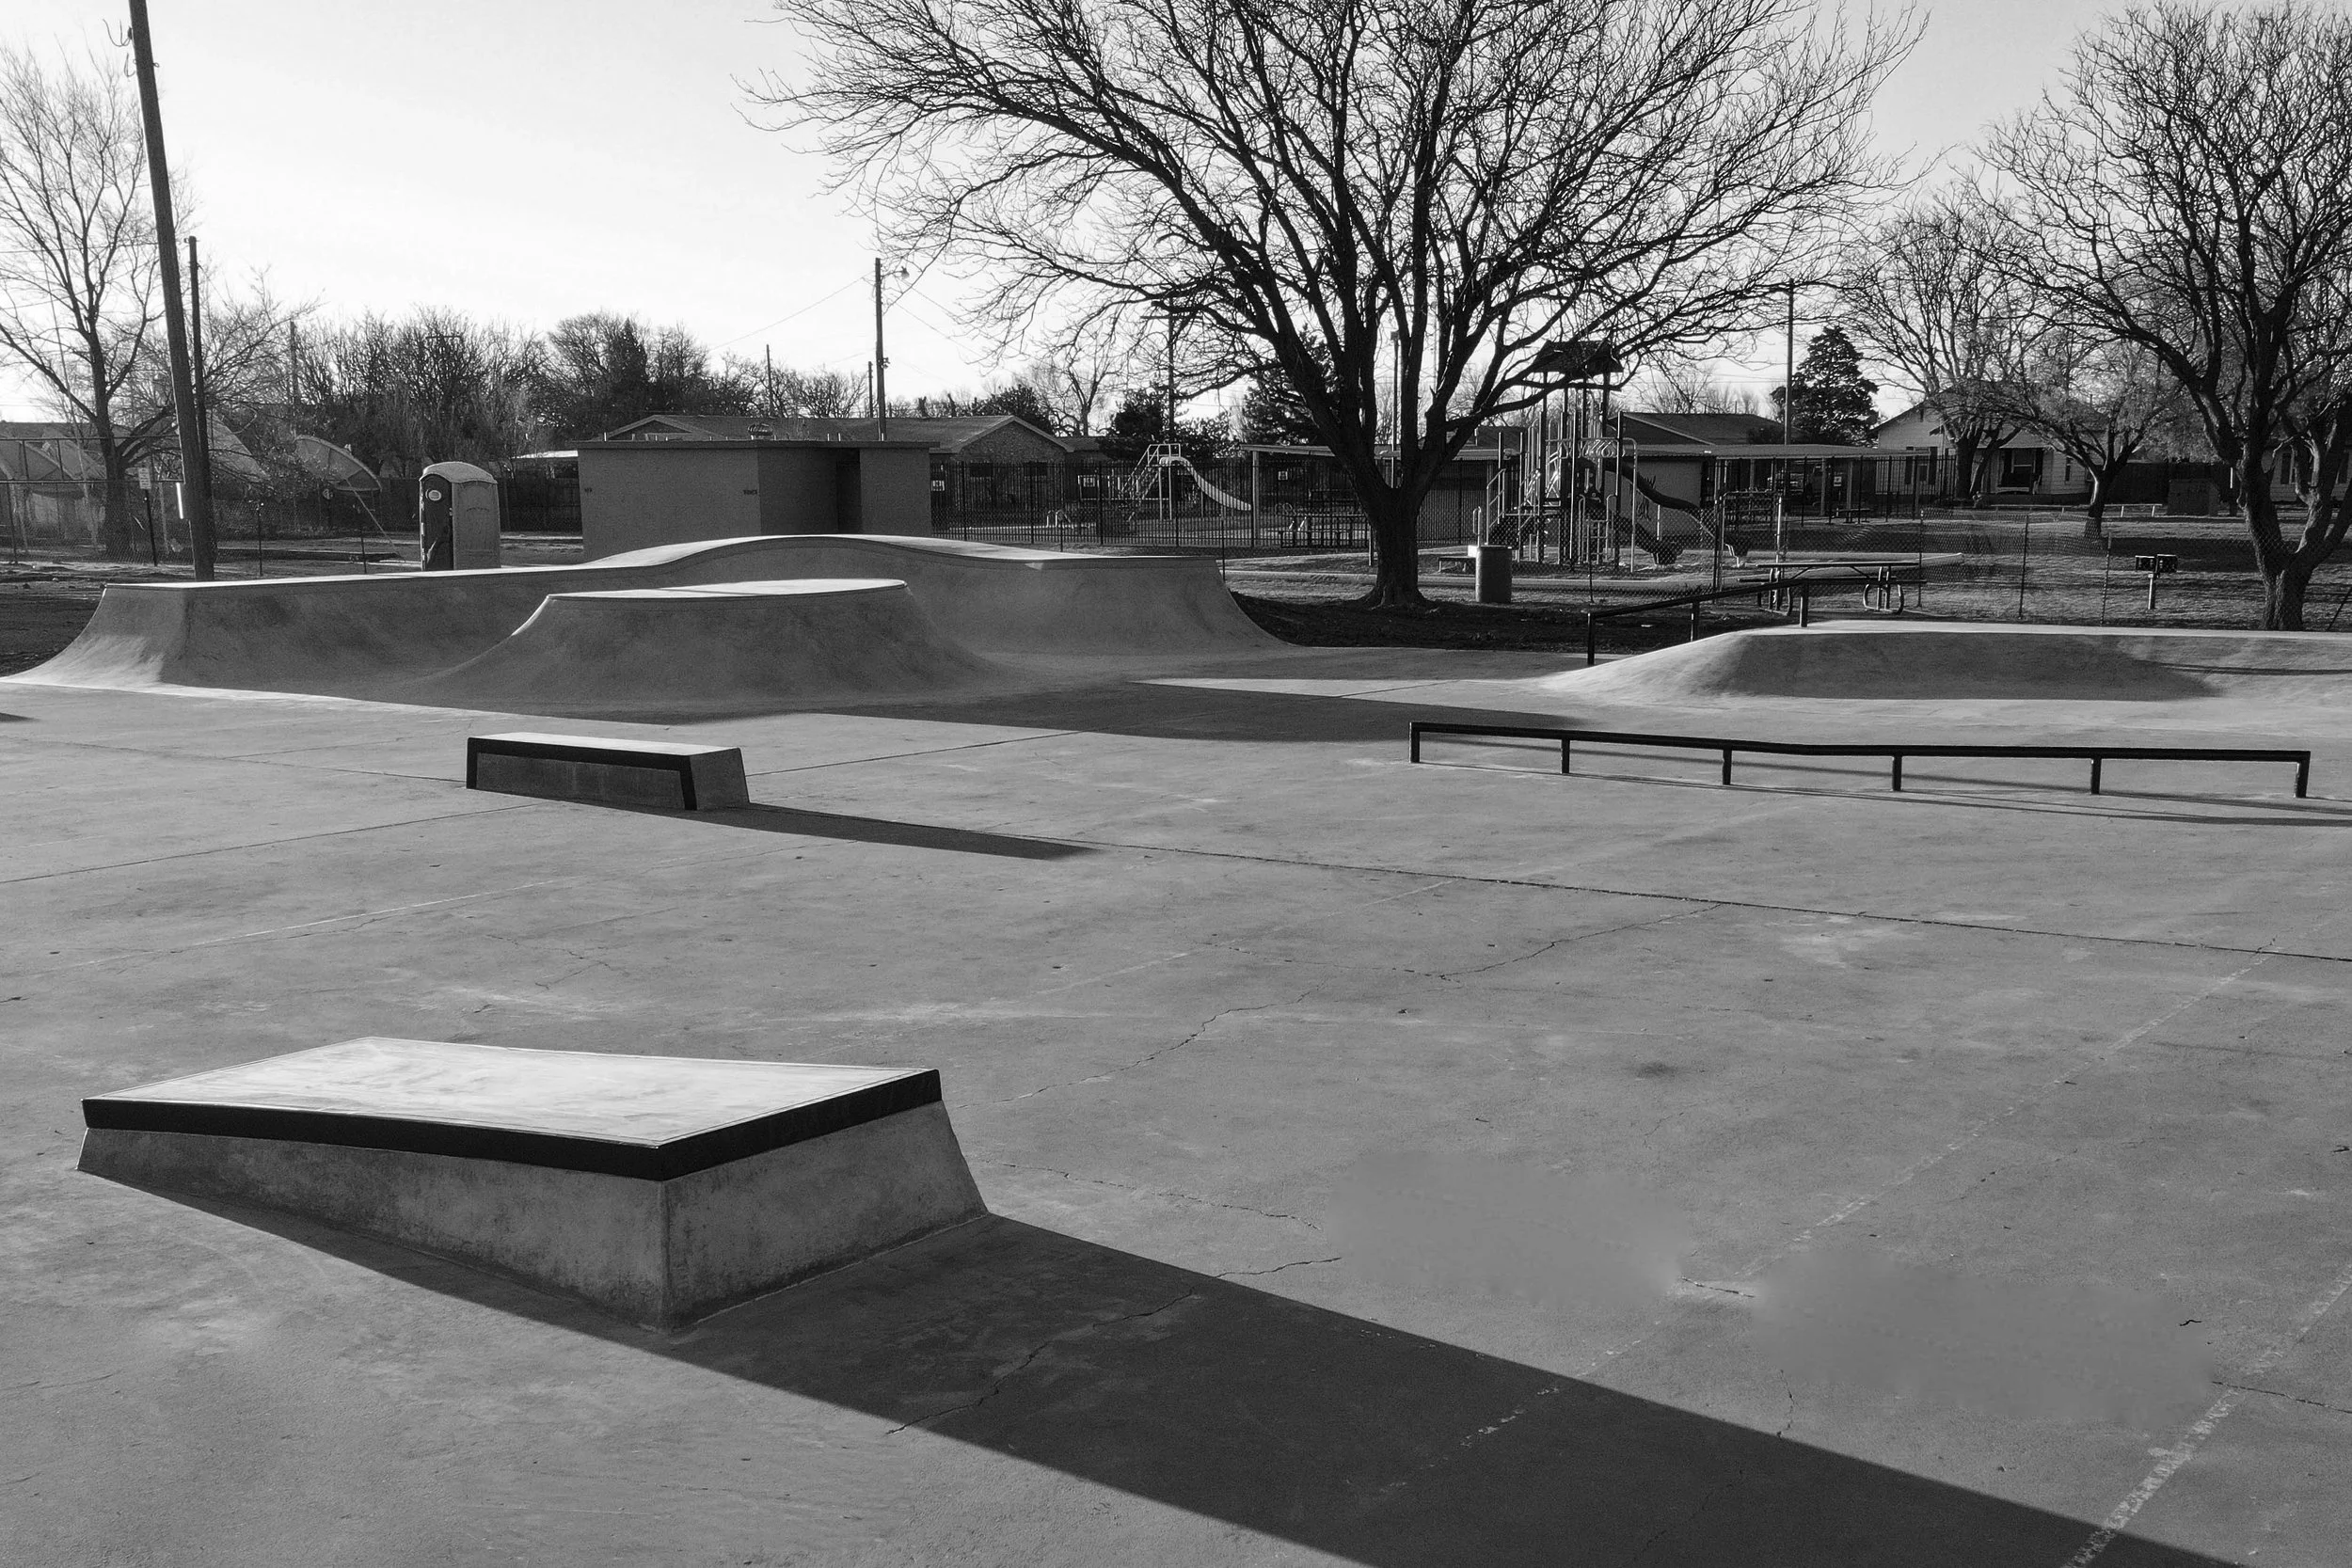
(79,297)
(400,394)
(1084,358)
(1930,295)
(2190,186)
(2101,402)
(1688,388)
(1429,191)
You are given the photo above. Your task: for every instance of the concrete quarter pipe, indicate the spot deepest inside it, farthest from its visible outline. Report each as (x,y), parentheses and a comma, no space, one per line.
(723,624)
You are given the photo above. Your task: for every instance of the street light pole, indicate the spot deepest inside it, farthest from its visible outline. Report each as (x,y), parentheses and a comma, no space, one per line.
(881,405)
(1787,431)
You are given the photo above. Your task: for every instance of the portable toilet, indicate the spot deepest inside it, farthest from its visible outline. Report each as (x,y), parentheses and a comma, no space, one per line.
(457,518)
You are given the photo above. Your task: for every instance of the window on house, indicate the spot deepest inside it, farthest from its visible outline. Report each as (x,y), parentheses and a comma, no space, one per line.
(2019,468)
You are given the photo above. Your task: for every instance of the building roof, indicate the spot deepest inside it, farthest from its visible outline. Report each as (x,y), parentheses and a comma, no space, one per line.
(1700,430)
(940,435)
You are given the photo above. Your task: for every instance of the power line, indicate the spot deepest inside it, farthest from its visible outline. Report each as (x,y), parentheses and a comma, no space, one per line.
(794,316)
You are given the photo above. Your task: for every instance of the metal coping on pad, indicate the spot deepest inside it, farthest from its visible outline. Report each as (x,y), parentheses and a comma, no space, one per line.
(614,754)
(660,1162)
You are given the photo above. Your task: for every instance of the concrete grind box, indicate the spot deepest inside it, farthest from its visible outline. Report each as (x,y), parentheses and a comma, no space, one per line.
(635,495)
(659,1188)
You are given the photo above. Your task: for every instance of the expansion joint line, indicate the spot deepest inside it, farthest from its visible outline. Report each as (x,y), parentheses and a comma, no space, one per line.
(2184,1451)
(1703,904)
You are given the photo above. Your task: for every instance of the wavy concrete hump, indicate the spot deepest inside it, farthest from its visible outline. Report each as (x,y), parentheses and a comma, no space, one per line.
(1883,661)
(365,636)
(723,648)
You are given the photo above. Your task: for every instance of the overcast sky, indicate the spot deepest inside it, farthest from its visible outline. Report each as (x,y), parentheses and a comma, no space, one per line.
(529,159)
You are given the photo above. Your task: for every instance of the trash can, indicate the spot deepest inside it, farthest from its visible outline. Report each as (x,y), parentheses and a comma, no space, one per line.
(1492,563)
(457,518)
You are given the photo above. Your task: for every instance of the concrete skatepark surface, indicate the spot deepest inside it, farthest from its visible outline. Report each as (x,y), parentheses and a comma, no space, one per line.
(1953,1071)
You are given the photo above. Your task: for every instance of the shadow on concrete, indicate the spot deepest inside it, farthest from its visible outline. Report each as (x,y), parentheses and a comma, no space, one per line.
(1291,1422)
(877,829)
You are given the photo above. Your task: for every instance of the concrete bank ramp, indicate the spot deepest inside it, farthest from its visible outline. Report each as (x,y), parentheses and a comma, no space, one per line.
(1899,661)
(733,647)
(367,636)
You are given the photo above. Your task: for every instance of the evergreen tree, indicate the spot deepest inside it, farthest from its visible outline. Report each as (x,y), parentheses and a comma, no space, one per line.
(1022,401)
(1275,415)
(1834,399)
(1142,423)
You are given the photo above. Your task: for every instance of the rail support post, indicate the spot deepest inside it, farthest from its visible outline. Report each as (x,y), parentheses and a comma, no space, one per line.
(2095,761)
(1899,772)
(1588,640)
(1415,732)
(1695,620)
(2303,775)
(1564,753)
(1726,765)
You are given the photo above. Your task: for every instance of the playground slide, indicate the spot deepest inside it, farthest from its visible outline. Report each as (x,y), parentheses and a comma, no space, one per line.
(1230,503)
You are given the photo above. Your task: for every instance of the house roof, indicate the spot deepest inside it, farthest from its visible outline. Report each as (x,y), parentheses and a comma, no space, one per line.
(940,435)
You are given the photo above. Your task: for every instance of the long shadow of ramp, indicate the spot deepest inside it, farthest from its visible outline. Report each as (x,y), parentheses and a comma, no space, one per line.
(1306,1425)
(879,830)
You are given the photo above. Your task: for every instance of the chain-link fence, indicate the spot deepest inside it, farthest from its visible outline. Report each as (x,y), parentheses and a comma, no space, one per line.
(2048,566)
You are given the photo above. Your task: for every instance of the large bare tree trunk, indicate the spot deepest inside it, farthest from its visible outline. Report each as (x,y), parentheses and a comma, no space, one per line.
(2284,574)
(2282,596)
(1395,551)
(118,532)
(1965,470)
(2095,512)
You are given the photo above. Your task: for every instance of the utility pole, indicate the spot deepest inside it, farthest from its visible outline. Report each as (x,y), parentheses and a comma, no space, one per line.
(195,373)
(882,408)
(195,490)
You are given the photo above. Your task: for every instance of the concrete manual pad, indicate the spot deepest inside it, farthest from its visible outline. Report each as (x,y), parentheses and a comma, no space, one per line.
(662,774)
(660,1188)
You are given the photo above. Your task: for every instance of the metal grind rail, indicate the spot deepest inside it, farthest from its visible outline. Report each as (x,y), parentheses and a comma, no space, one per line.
(1794,584)
(2096,755)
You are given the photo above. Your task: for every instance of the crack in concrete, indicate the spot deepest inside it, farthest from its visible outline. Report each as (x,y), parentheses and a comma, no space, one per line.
(1252,1274)
(1456,974)
(1150,1056)
(2283,1394)
(1039,1349)
(1161,1192)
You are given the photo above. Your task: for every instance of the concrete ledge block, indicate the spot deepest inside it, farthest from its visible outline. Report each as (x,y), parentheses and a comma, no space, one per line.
(660,1189)
(664,775)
